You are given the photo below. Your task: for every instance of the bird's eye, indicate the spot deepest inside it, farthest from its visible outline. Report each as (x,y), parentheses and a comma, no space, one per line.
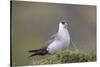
(63,22)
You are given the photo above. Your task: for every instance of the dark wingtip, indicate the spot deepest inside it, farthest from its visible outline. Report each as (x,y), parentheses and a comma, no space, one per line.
(33,50)
(30,56)
(30,51)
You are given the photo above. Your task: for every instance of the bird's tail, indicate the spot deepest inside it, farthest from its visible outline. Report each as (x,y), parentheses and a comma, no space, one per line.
(38,52)
(34,50)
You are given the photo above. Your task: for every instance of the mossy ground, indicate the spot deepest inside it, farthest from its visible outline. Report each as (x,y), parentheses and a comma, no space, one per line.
(66,56)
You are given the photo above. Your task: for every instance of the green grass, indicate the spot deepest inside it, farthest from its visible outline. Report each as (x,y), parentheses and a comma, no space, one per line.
(66,56)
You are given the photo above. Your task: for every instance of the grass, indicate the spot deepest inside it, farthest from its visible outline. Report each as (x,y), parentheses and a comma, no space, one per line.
(66,56)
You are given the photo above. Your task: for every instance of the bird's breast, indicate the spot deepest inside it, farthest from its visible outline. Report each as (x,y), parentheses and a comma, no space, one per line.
(64,35)
(62,41)
(57,45)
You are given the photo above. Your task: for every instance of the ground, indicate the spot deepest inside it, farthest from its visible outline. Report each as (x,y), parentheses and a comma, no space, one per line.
(66,56)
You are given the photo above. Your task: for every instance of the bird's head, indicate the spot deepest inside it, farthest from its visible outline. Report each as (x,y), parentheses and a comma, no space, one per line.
(63,24)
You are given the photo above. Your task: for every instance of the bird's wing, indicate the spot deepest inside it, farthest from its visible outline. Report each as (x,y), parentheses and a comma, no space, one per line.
(43,50)
(50,40)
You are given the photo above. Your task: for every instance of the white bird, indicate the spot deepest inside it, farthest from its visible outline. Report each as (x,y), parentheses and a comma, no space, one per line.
(56,42)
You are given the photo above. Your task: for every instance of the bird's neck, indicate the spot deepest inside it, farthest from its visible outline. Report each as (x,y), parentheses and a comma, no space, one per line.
(64,34)
(61,29)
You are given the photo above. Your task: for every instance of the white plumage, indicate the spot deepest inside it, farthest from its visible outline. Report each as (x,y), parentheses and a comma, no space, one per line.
(62,39)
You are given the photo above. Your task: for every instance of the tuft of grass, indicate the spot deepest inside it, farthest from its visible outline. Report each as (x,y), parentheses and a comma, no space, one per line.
(66,56)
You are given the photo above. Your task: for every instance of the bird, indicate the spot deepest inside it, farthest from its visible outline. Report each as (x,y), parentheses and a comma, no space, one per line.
(56,42)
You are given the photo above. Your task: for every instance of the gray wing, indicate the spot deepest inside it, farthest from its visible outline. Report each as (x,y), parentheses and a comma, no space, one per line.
(50,40)
(43,50)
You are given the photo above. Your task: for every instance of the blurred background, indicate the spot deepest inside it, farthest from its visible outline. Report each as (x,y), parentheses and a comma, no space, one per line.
(33,23)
